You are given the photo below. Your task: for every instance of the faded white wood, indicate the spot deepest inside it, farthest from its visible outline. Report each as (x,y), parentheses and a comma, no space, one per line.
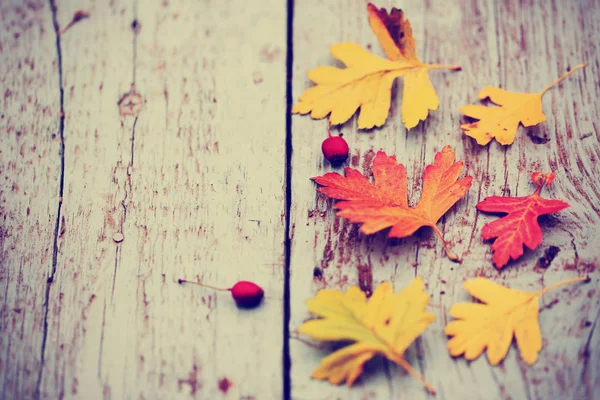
(483,37)
(193,183)
(29,171)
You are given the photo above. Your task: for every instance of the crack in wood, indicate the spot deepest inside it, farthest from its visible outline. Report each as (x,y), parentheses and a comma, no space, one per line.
(128,183)
(483,177)
(61,132)
(586,357)
(101,347)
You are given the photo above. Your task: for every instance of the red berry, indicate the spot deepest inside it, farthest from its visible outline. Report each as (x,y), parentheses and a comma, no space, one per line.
(247,294)
(335,149)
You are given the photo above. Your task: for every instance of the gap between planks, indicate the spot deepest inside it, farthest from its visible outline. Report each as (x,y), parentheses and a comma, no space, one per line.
(289,100)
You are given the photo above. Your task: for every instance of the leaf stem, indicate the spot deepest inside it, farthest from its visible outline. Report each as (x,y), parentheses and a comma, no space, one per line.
(557,284)
(450,67)
(404,364)
(449,253)
(180,281)
(561,78)
(540,186)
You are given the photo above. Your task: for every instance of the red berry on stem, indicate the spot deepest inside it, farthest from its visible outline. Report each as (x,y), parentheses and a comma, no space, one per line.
(245,294)
(335,149)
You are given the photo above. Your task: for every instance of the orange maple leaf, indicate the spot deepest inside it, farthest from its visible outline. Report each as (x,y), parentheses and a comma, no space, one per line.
(384,203)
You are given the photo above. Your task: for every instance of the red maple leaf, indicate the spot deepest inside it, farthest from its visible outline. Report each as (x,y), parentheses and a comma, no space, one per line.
(520,227)
(384,203)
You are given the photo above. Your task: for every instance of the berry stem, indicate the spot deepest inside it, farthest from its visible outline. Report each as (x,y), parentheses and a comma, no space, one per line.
(180,281)
(78,16)
(540,185)
(556,82)
(449,253)
(318,346)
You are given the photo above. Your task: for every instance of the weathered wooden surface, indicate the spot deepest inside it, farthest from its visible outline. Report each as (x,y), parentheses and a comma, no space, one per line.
(194,181)
(30,170)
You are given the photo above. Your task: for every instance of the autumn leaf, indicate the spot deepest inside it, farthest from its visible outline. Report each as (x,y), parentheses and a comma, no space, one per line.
(384,203)
(505,312)
(386,324)
(502,122)
(367,81)
(520,227)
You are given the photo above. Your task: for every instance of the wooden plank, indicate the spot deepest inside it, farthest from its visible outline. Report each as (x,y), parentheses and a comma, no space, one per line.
(96,69)
(480,36)
(217,208)
(562,37)
(193,183)
(29,188)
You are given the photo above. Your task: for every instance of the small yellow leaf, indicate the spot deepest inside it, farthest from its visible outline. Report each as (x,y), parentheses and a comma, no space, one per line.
(505,312)
(502,122)
(385,324)
(367,80)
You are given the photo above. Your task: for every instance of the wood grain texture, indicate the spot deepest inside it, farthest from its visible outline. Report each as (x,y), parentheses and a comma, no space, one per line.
(174,166)
(193,182)
(519,46)
(29,188)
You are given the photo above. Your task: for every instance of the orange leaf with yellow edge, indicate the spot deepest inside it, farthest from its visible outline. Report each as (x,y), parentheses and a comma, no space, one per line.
(385,324)
(384,203)
(367,81)
(502,122)
(505,312)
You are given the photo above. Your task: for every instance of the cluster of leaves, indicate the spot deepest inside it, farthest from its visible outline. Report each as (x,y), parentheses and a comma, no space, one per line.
(384,203)
(388,322)
(367,80)
(366,84)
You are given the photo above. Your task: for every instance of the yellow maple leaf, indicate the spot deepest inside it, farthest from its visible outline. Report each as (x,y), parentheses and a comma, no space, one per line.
(505,312)
(367,81)
(385,324)
(502,122)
